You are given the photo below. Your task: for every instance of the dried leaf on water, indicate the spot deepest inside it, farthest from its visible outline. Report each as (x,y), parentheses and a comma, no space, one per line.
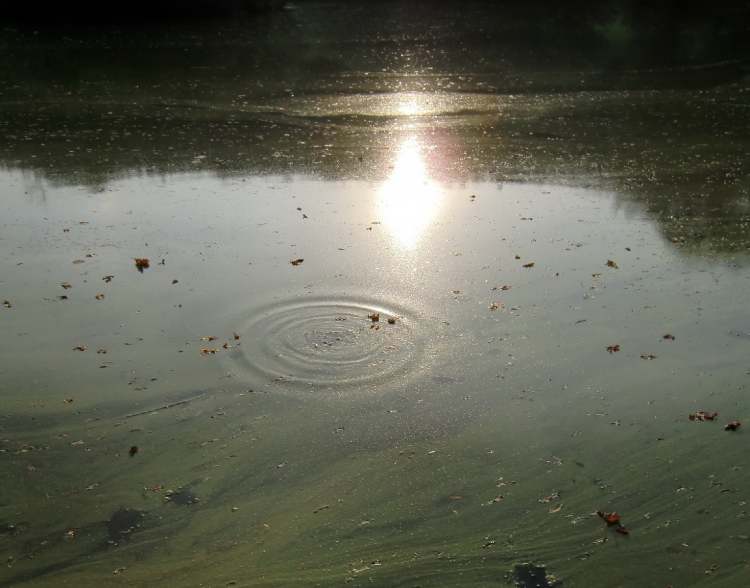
(208,338)
(374,316)
(611,518)
(530,264)
(612,264)
(107,279)
(99,296)
(495,305)
(7,304)
(668,337)
(391,320)
(79,348)
(297,261)
(141,263)
(208,351)
(648,356)
(133,450)
(613,348)
(66,286)
(732,426)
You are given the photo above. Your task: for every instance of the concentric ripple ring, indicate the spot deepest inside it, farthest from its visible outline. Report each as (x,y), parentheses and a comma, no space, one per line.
(329,342)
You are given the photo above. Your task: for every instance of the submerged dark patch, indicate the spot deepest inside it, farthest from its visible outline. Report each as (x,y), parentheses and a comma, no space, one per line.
(123,523)
(528,575)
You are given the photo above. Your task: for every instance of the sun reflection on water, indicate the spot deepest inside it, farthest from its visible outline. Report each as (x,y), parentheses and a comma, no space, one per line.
(409,199)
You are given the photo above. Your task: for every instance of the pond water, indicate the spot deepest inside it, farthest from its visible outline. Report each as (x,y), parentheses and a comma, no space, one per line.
(403,322)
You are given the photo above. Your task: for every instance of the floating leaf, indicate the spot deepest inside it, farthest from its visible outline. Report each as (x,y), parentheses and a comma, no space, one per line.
(732,426)
(107,279)
(99,296)
(141,263)
(79,348)
(612,264)
(613,348)
(66,286)
(7,304)
(611,518)
(297,261)
(530,264)
(208,351)
(374,316)
(648,356)
(391,320)
(668,337)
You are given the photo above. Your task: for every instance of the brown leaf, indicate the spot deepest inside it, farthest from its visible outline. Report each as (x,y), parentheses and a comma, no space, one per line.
(208,338)
(611,518)
(612,264)
(668,337)
(141,263)
(107,279)
(236,336)
(391,320)
(732,426)
(495,305)
(530,264)
(99,296)
(208,351)
(648,356)
(66,286)
(613,348)
(297,261)
(374,316)
(79,348)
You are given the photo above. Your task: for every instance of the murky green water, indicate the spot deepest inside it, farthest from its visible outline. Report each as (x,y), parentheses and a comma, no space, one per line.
(425,397)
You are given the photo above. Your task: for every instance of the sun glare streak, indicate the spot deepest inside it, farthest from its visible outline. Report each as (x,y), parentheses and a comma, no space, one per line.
(409,199)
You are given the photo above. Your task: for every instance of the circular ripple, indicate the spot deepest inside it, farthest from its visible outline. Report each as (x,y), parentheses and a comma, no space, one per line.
(328,342)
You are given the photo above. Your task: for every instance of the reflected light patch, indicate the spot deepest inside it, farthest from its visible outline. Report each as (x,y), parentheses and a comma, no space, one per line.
(409,108)
(408,200)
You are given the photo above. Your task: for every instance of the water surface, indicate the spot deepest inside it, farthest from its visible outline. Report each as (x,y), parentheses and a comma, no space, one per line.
(284,431)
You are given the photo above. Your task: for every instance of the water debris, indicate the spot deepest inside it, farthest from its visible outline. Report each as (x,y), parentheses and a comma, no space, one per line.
(141,263)
(668,337)
(236,336)
(374,316)
(79,348)
(611,518)
(297,261)
(108,279)
(648,356)
(495,305)
(99,296)
(321,508)
(7,304)
(208,338)
(613,348)
(528,575)
(612,264)
(175,282)
(530,264)
(208,351)
(391,320)
(504,287)
(66,286)
(133,450)
(702,415)
(732,425)
(79,261)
